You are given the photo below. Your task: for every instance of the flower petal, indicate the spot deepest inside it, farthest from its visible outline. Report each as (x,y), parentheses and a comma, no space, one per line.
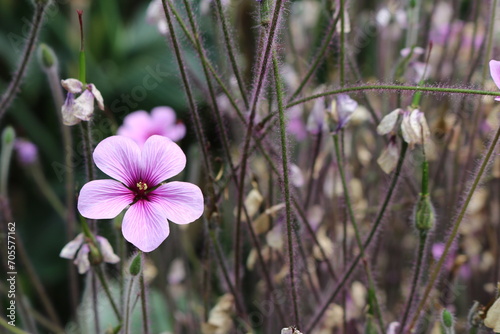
(495,71)
(492,319)
(388,122)
(182,201)
(84,106)
(103,199)
(145,225)
(69,251)
(72,85)
(67,111)
(163,115)
(138,126)
(119,157)
(388,160)
(107,251)
(97,95)
(164,120)
(82,259)
(345,109)
(161,159)
(409,134)
(176,132)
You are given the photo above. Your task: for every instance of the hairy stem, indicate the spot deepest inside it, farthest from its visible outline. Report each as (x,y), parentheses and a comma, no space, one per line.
(286,185)
(105,286)
(319,57)
(167,6)
(438,266)
(144,305)
(316,318)
(230,51)
(29,49)
(356,228)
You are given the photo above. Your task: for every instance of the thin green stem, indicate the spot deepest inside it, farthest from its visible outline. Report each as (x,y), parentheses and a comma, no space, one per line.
(263,64)
(356,228)
(437,267)
(230,51)
(396,88)
(207,62)
(316,318)
(167,6)
(29,49)
(10,328)
(317,60)
(342,44)
(95,306)
(88,147)
(416,275)
(145,320)
(399,88)
(47,190)
(128,306)
(225,273)
(105,286)
(286,184)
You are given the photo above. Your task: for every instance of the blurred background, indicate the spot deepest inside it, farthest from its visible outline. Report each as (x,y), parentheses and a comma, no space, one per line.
(122,49)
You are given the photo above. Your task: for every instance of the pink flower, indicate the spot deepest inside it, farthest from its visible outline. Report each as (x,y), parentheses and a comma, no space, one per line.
(140,175)
(495,74)
(140,125)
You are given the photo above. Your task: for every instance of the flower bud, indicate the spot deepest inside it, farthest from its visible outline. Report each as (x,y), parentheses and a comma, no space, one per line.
(46,56)
(447,319)
(135,265)
(424,214)
(8,135)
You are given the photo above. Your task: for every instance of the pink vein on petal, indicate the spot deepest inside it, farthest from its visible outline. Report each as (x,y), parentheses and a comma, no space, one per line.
(145,225)
(103,199)
(182,201)
(161,159)
(119,157)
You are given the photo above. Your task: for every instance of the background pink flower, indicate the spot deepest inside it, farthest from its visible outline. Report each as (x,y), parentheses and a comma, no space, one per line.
(140,125)
(139,174)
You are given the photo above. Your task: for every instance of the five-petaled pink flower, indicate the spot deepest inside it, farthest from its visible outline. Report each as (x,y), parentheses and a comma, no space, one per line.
(495,74)
(140,175)
(140,125)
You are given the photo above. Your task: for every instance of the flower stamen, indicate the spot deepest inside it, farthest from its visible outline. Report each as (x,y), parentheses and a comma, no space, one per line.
(142,186)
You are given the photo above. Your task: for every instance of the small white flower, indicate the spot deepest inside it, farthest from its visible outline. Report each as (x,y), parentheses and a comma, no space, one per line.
(82,108)
(81,249)
(388,160)
(388,122)
(492,319)
(414,128)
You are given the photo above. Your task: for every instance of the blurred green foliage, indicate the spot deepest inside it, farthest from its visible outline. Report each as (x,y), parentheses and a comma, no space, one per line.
(122,49)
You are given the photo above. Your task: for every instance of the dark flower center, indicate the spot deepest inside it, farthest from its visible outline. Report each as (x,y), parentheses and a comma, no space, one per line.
(140,191)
